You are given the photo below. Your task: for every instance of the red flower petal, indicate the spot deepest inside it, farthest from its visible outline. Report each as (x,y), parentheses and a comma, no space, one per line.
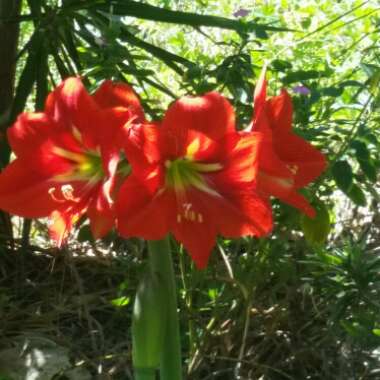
(111,94)
(101,215)
(295,151)
(141,144)
(260,94)
(299,201)
(60,225)
(61,221)
(233,214)
(141,209)
(24,192)
(265,156)
(280,112)
(28,132)
(211,114)
(198,239)
(71,106)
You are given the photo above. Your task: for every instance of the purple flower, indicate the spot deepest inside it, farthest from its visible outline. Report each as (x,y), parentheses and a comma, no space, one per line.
(242,12)
(302,90)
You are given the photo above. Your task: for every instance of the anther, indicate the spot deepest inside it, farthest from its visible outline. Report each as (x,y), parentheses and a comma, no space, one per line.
(293,169)
(51,192)
(68,193)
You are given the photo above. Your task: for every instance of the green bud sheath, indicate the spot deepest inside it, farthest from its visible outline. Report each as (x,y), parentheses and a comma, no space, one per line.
(148,325)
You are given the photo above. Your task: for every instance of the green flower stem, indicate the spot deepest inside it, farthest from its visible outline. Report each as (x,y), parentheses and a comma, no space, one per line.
(160,260)
(145,374)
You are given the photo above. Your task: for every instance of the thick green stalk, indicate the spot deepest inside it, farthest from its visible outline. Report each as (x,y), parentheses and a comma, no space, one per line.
(148,325)
(160,260)
(145,374)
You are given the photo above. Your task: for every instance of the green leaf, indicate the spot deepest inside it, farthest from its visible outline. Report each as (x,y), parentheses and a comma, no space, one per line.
(361,150)
(35,7)
(121,301)
(331,259)
(332,91)
(351,83)
(281,65)
(85,234)
(150,12)
(67,36)
(301,75)
(42,79)
(62,69)
(369,169)
(213,294)
(306,22)
(317,229)
(356,195)
(343,176)
(28,76)
(168,58)
(261,33)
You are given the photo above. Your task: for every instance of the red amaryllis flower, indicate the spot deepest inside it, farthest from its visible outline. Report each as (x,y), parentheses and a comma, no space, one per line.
(196,180)
(67,157)
(286,161)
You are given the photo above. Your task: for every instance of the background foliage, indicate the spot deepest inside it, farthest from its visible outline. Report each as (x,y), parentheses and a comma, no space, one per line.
(301,304)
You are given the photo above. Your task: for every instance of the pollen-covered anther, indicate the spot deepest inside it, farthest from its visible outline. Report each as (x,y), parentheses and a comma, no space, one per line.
(293,169)
(76,133)
(67,192)
(51,192)
(189,214)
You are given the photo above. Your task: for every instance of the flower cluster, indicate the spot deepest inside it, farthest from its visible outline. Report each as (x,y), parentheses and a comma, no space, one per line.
(191,174)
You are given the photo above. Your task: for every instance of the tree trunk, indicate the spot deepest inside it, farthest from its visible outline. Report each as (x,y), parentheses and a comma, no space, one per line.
(9,33)
(8,49)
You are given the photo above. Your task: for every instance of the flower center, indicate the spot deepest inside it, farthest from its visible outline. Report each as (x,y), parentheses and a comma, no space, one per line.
(183,173)
(86,166)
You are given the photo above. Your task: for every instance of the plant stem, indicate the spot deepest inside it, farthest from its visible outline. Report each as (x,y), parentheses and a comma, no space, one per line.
(160,260)
(145,374)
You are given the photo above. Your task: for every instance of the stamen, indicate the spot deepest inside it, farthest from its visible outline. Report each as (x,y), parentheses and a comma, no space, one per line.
(51,192)
(206,168)
(293,168)
(199,183)
(184,173)
(285,183)
(76,133)
(192,148)
(189,214)
(67,192)
(76,157)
